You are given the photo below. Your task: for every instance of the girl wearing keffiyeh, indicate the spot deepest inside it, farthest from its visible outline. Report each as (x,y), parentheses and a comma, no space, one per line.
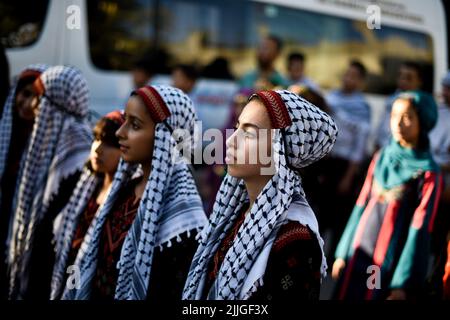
(262,241)
(142,241)
(17,123)
(90,193)
(57,150)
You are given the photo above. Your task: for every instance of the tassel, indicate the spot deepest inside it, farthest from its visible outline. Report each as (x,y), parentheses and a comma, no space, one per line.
(169,244)
(178,238)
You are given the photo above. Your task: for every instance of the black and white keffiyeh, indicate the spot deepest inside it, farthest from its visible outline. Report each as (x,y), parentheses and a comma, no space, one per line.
(170,206)
(309,137)
(66,224)
(6,122)
(59,146)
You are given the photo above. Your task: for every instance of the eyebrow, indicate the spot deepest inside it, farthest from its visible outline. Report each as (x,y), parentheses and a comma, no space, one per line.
(248,124)
(126,115)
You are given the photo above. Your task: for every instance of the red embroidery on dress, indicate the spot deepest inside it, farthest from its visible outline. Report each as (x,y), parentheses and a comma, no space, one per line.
(290,232)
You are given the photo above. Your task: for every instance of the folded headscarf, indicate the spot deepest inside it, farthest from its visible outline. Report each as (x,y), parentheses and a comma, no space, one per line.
(59,146)
(303,135)
(170,204)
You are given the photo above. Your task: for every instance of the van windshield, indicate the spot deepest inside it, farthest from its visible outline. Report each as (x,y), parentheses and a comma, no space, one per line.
(199,31)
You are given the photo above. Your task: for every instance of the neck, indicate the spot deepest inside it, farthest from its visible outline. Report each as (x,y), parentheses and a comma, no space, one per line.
(146,168)
(107,180)
(408,145)
(254,187)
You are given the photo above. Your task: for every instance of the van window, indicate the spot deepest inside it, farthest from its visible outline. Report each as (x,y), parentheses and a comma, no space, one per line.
(120,31)
(199,31)
(21,22)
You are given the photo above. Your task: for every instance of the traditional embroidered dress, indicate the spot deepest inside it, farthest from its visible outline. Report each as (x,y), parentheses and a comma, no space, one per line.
(58,148)
(302,135)
(170,207)
(391,222)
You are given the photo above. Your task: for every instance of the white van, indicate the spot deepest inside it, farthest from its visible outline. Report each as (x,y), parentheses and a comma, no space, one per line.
(113,33)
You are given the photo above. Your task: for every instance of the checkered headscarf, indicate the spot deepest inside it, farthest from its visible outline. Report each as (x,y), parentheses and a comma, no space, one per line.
(59,146)
(170,204)
(6,122)
(67,221)
(303,134)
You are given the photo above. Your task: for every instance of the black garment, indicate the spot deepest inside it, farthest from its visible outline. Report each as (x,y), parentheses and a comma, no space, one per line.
(293,267)
(21,132)
(293,272)
(42,257)
(170,269)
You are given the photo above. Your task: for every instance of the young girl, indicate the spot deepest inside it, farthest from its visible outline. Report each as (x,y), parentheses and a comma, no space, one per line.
(142,243)
(90,193)
(384,250)
(16,125)
(49,169)
(262,241)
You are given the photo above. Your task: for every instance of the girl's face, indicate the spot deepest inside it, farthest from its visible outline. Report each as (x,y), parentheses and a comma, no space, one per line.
(104,157)
(249,149)
(405,126)
(26,104)
(136,135)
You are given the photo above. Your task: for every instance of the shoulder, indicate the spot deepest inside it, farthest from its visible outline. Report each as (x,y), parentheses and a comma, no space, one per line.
(291,234)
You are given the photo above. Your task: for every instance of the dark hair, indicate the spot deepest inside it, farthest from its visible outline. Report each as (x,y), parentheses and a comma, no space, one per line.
(360,67)
(296,56)
(24,81)
(188,70)
(105,130)
(277,40)
(414,66)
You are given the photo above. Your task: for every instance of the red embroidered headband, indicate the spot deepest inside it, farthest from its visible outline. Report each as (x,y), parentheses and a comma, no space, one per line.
(278,113)
(115,116)
(154,102)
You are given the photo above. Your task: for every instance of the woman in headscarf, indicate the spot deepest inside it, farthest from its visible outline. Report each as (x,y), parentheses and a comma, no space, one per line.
(16,125)
(142,242)
(57,151)
(384,250)
(90,193)
(263,239)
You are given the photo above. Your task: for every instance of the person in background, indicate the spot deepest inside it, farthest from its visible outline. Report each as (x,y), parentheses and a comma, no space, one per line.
(410,78)
(296,68)
(345,165)
(72,223)
(388,234)
(265,75)
(184,77)
(16,126)
(440,148)
(56,153)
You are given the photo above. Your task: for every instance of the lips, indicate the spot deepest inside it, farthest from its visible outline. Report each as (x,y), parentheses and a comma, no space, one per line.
(124,148)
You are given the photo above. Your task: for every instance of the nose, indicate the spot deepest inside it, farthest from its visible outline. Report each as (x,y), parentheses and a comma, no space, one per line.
(231,141)
(120,133)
